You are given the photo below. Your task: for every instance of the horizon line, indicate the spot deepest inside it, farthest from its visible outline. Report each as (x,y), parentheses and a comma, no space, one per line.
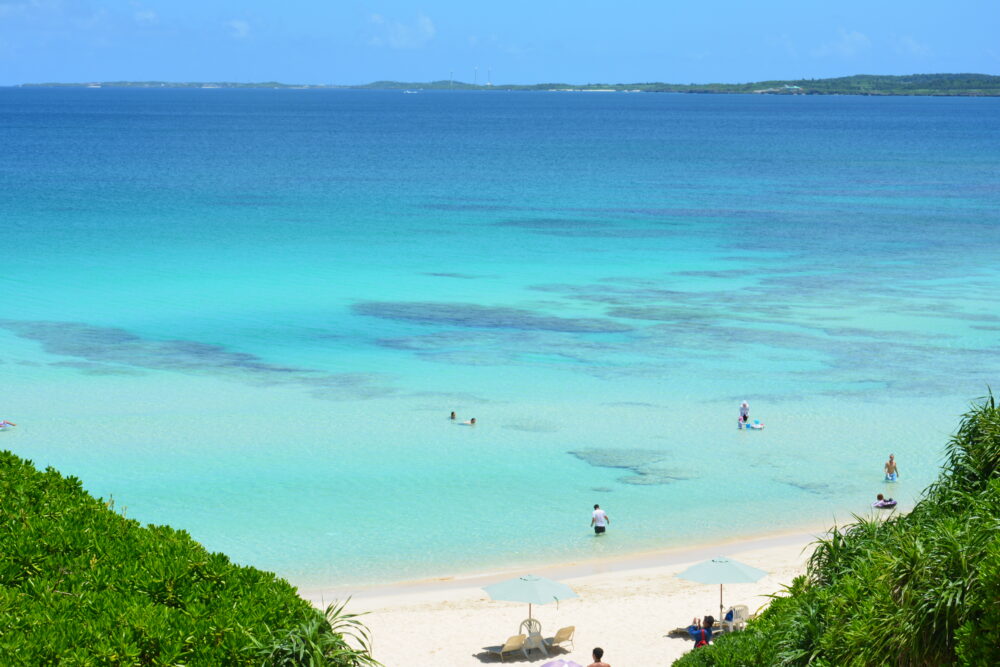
(479,85)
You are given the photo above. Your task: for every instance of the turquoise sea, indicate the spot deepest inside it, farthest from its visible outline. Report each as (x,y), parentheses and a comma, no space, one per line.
(248,313)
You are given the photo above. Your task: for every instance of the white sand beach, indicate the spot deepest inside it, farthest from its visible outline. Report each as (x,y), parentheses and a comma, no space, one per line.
(625,606)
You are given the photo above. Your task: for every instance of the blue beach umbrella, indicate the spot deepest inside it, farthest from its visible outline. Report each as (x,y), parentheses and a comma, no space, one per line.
(721,571)
(531,589)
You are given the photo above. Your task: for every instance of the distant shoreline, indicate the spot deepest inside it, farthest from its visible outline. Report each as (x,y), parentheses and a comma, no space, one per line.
(925,85)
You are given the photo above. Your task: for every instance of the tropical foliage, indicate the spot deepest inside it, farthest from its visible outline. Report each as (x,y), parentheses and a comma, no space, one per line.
(919,589)
(82,585)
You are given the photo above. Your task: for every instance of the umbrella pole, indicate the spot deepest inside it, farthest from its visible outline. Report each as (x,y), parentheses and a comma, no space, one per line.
(720,603)
(529,611)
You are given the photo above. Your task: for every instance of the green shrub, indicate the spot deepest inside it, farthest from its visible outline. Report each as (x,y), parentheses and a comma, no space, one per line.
(82,585)
(919,589)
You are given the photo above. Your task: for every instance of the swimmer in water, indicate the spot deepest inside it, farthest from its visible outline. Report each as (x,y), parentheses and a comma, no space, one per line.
(883,502)
(4,423)
(453,415)
(471,422)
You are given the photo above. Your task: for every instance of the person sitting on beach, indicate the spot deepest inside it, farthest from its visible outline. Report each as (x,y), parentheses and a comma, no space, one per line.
(598,654)
(701,631)
(882,502)
(891,471)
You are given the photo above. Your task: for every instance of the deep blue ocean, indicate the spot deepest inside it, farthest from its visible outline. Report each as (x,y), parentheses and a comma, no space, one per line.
(249,313)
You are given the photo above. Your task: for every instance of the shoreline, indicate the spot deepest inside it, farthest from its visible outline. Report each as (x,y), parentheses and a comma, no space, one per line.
(501,89)
(624,563)
(626,605)
(940,84)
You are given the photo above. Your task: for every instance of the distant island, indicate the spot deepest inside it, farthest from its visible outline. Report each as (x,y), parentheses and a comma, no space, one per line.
(859,84)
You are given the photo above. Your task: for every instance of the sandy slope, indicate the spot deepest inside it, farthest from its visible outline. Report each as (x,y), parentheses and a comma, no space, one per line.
(626,606)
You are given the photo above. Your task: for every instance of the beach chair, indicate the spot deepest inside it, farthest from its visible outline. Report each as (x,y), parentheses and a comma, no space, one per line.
(563,636)
(740,615)
(533,628)
(515,643)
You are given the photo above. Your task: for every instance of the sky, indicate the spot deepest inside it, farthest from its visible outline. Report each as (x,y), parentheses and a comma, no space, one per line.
(539,41)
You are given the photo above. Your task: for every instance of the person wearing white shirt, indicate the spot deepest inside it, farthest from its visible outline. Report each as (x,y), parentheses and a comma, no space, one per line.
(599,520)
(744,412)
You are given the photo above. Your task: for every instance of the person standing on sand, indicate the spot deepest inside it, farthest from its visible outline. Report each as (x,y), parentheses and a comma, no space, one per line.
(598,654)
(891,471)
(599,520)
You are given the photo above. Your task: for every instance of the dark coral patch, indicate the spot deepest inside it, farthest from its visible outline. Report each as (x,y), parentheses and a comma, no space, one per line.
(483,317)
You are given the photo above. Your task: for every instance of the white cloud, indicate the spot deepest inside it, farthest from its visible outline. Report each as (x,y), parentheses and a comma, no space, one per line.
(783,43)
(518,50)
(146,17)
(12,9)
(76,14)
(908,46)
(698,56)
(23,8)
(238,29)
(848,45)
(399,35)
(493,42)
(93,21)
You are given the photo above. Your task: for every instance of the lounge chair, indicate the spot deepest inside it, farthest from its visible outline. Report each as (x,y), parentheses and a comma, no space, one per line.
(740,615)
(515,643)
(563,636)
(683,631)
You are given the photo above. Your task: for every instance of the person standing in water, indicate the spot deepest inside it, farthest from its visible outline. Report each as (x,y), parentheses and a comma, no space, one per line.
(891,471)
(744,413)
(599,520)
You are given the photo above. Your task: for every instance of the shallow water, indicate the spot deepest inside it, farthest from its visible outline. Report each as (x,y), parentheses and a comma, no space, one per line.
(249,313)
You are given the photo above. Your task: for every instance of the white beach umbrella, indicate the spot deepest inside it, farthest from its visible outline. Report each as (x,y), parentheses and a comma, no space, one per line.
(721,571)
(531,589)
